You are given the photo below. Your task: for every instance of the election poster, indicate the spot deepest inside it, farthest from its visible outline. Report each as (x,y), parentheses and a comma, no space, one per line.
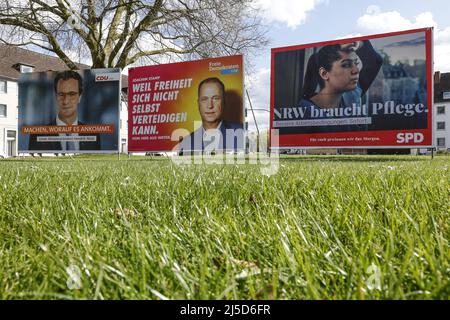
(186,106)
(69,111)
(368,92)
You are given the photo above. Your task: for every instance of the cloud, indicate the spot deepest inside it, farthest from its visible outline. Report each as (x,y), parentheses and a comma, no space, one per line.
(374,20)
(373,9)
(258,86)
(349,35)
(442,57)
(377,21)
(291,12)
(442,36)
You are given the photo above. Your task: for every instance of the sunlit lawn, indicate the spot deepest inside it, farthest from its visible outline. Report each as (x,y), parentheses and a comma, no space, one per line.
(349,227)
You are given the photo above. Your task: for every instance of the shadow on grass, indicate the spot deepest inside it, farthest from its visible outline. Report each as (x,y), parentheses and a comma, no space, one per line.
(283,158)
(85,157)
(355,158)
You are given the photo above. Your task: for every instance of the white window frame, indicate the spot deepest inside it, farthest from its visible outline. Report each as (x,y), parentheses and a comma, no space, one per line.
(6,86)
(6,111)
(26,69)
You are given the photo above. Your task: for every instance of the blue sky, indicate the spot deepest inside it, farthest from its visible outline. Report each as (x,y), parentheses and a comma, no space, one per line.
(293,22)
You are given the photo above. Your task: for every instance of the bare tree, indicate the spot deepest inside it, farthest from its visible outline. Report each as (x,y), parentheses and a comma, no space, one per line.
(117,33)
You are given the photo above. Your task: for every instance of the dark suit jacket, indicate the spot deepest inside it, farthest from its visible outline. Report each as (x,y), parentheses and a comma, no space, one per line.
(192,142)
(34,145)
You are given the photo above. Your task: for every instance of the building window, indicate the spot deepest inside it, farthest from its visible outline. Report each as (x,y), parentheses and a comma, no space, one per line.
(441,142)
(11,134)
(441,110)
(3,86)
(3,111)
(441,125)
(26,69)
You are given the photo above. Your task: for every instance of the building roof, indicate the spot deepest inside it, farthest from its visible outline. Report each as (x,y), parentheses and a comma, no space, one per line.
(441,85)
(11,57)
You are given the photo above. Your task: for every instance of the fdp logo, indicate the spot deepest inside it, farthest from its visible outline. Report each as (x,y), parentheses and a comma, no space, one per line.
(102,77)
(408,137)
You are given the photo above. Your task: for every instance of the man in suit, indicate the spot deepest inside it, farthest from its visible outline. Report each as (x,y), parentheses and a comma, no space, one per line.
(215,134)
(68,86)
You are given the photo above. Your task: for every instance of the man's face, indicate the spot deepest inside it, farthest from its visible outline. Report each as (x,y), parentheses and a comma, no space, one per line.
(210,102)
(67,97)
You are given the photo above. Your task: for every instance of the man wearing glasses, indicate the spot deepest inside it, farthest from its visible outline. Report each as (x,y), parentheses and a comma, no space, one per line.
(215,134)
(68,87)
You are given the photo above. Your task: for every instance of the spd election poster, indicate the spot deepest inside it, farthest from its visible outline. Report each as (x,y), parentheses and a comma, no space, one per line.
(368,92)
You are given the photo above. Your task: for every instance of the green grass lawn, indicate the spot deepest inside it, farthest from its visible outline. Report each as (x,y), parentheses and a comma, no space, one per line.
(323,227)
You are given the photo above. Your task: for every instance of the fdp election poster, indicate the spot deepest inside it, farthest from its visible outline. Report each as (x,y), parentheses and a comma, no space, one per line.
(371,91)
(186,106)
(69,111)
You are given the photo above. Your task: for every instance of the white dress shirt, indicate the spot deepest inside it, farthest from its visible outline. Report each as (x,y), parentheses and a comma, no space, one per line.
(76,144)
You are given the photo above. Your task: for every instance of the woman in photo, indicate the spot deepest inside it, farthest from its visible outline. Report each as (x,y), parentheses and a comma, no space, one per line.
(343,72)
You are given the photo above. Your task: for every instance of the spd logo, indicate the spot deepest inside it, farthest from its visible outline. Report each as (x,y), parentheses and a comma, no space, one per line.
(408,137)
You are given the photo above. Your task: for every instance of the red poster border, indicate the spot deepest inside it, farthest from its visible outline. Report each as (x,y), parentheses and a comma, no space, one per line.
(429,138)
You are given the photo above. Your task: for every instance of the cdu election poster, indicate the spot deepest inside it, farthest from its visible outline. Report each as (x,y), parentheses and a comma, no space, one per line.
(69,111)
